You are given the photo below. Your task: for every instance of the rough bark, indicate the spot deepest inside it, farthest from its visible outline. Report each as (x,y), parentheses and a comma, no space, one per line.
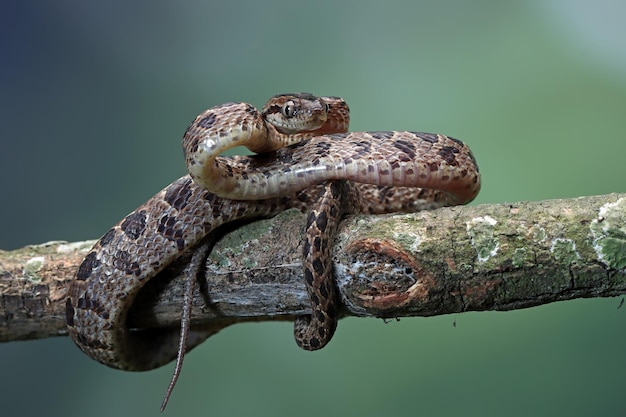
(486,257)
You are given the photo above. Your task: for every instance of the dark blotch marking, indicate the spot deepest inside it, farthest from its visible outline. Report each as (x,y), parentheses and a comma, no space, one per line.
(338,188)
(69,312)
(241,210)
(124,263)
(134,224)
(324,290)
(407,147)
(315,343)
(314,299)
(302,196)
(381,135)
(334,210)
(308,277)
(363,147)
(251,109)
(166,223)
(85,303)
(330,311)
(207,121)
(307,247)
(321,332)
(321,317)
(210,197)
(321,220)
(89,264)
(178,194)
(317,244)
(428,137)
(448,153)
(318,266)
(171,229)
(321,148)
(190,141)
(107,238)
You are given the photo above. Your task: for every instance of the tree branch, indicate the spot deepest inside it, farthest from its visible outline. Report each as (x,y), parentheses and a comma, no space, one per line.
(486,257)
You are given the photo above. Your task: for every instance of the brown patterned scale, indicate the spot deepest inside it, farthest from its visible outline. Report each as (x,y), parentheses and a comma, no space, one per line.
(305,165)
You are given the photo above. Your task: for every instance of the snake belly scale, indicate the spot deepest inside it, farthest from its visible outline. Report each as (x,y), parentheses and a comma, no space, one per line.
(316,167)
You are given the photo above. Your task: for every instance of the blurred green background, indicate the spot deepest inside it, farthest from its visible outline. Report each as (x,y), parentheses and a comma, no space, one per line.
(95,98)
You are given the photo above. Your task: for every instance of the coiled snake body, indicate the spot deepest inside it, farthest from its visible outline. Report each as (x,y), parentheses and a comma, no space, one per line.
(308,167)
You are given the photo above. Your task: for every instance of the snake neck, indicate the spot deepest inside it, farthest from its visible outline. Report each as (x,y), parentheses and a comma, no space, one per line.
(206,138)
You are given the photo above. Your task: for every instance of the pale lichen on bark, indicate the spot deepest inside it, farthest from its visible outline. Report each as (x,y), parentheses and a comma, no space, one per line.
(470,258)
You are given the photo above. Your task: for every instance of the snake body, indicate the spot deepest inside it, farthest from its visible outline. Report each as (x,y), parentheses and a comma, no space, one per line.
(312,169)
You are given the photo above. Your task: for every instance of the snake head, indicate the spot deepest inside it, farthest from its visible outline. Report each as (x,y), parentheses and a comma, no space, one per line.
(295,112)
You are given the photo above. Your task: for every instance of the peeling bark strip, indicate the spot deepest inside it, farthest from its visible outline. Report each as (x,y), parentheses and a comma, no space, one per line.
(487,257)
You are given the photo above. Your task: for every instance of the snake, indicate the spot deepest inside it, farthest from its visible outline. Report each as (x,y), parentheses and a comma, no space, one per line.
(305,159)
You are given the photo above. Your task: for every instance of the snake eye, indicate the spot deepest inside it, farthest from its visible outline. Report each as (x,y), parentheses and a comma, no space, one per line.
(290,109)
